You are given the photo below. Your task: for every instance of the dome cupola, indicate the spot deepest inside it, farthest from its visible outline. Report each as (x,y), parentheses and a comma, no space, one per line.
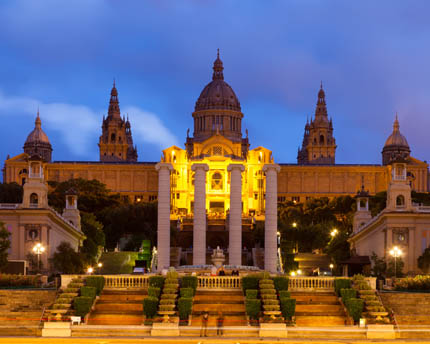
(37,142)
(396,147)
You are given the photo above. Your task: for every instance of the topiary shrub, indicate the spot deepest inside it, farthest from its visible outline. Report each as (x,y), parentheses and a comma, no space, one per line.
(288,307)
(156,281)
(251,293)
(154,292)
(268,296)
(253,307)
(97,282)
(347,294)
(284,294)
(185,305)
(341,283)
(281,283)
(187,292)
(250,282)
(189,282)
(82,305)
(88,291)
(150,305)
(355,308)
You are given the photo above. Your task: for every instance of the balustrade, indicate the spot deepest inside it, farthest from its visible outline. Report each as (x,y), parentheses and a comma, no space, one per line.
(126,281)
(219,282)
(310,283)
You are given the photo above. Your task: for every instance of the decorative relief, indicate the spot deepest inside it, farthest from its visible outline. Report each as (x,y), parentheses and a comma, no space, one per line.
(33,232)
(400,236)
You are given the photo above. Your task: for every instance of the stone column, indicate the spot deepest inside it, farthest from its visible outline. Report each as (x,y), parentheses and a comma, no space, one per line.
(271,214)
(235,221)
(199,227)
(163,227)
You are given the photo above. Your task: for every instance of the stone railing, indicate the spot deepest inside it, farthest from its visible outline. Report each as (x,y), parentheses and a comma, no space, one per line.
(219,282)
(126,281)
(311,283)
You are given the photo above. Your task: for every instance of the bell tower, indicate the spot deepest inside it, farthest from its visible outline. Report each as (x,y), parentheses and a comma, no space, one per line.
(116,141)
(71,212)
(399,196)
(35,189)
(319,145)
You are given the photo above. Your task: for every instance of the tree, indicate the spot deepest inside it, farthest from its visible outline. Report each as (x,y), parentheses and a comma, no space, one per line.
(34,262)
(95,237)
(379,265)
(4,245)
(424,261)
(11,193)
(66,260)
(398,265)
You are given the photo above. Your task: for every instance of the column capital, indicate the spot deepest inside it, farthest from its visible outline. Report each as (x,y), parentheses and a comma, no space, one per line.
(268,167)
(231,167)
(203,167)
(162,165)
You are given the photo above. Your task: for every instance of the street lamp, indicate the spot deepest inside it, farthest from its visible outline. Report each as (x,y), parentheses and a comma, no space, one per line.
(334,232)
(38,249)
(294,224)
(395,252)
(90,270)
(331,268)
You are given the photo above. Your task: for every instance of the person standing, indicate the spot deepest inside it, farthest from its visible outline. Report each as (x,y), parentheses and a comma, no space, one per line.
(204,328)
(220,324)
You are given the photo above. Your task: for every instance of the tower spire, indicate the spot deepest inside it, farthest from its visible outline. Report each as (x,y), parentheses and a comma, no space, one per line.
(38,122)
(113,110)
(218,68)
(396,125)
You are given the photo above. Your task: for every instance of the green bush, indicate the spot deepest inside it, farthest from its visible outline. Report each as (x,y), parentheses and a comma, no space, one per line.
(169,291)
(189,282)
(288,307)
(185,305)
(281,283)
(284,294)
(269,296)
(88,291)
(267,291)
(150,306)
(251,293)
(417,283)
(154,292)
(97,282)
(355,308)
(156,281)
(82,305)
(341,283)
(187,292)
(9,280)
(250,282)
(347,294)
(253,307)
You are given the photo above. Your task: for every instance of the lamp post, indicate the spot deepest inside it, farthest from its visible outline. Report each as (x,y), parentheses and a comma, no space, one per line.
(395,252)
(38,249)
(331,268)
(334,232)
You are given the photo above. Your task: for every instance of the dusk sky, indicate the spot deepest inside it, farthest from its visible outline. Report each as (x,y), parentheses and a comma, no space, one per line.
(373,58)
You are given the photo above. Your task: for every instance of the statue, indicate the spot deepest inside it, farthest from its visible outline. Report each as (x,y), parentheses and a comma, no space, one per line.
(218,257)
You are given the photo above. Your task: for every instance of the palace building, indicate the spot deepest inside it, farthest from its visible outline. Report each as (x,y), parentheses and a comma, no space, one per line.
(216,187)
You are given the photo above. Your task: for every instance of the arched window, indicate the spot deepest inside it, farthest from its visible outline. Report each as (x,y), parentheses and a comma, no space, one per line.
(112,137)
(400,201)
(216,181)
(321,139)
(34,199)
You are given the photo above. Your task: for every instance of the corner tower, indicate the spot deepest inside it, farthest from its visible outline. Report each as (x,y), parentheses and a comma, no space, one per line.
(116,141)
(319,145)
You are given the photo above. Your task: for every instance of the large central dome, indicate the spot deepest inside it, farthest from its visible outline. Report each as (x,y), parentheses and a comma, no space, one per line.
(217,95)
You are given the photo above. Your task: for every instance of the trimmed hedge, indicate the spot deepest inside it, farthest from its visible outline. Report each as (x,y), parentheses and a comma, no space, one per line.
(189,282)
(341,283)
(253,307)
(250,282)
(150,305)
(355,308)
(417,283)
(288,307)
(9,280)
(347,294)
(97,282)
(89,292)
(281,283)
(251,293)
(185,305)
(156,281)
(284,294)
(154,292)
(187,292)
(82,305)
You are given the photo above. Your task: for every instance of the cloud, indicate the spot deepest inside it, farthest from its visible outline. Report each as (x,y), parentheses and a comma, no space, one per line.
(78,125)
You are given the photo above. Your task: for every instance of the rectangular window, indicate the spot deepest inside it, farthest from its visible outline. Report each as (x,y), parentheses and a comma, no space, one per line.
(178,195)
(152,198)
(295,199)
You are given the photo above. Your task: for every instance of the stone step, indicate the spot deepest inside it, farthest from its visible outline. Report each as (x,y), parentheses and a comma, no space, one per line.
(319,308)
(109,331)
(218,301)
(319,321)
(123,307)
(315,298)
(317,302)
(223,293)
(233,331)
(99,318)
(341,333)
(218,308)
(133,291)
(413,319)
(116,298)
(20,331)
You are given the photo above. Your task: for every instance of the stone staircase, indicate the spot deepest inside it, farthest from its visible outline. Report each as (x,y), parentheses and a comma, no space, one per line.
(230,303)
(318,309)
(410,309)
(21,311)
(118,307)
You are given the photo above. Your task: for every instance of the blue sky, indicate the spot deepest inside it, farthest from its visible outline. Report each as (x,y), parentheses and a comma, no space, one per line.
(372,56)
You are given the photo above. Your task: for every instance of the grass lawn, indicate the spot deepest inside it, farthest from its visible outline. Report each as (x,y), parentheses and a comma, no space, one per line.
(117,262)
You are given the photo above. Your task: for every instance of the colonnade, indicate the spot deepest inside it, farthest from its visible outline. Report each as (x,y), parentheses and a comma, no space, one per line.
(235,217)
